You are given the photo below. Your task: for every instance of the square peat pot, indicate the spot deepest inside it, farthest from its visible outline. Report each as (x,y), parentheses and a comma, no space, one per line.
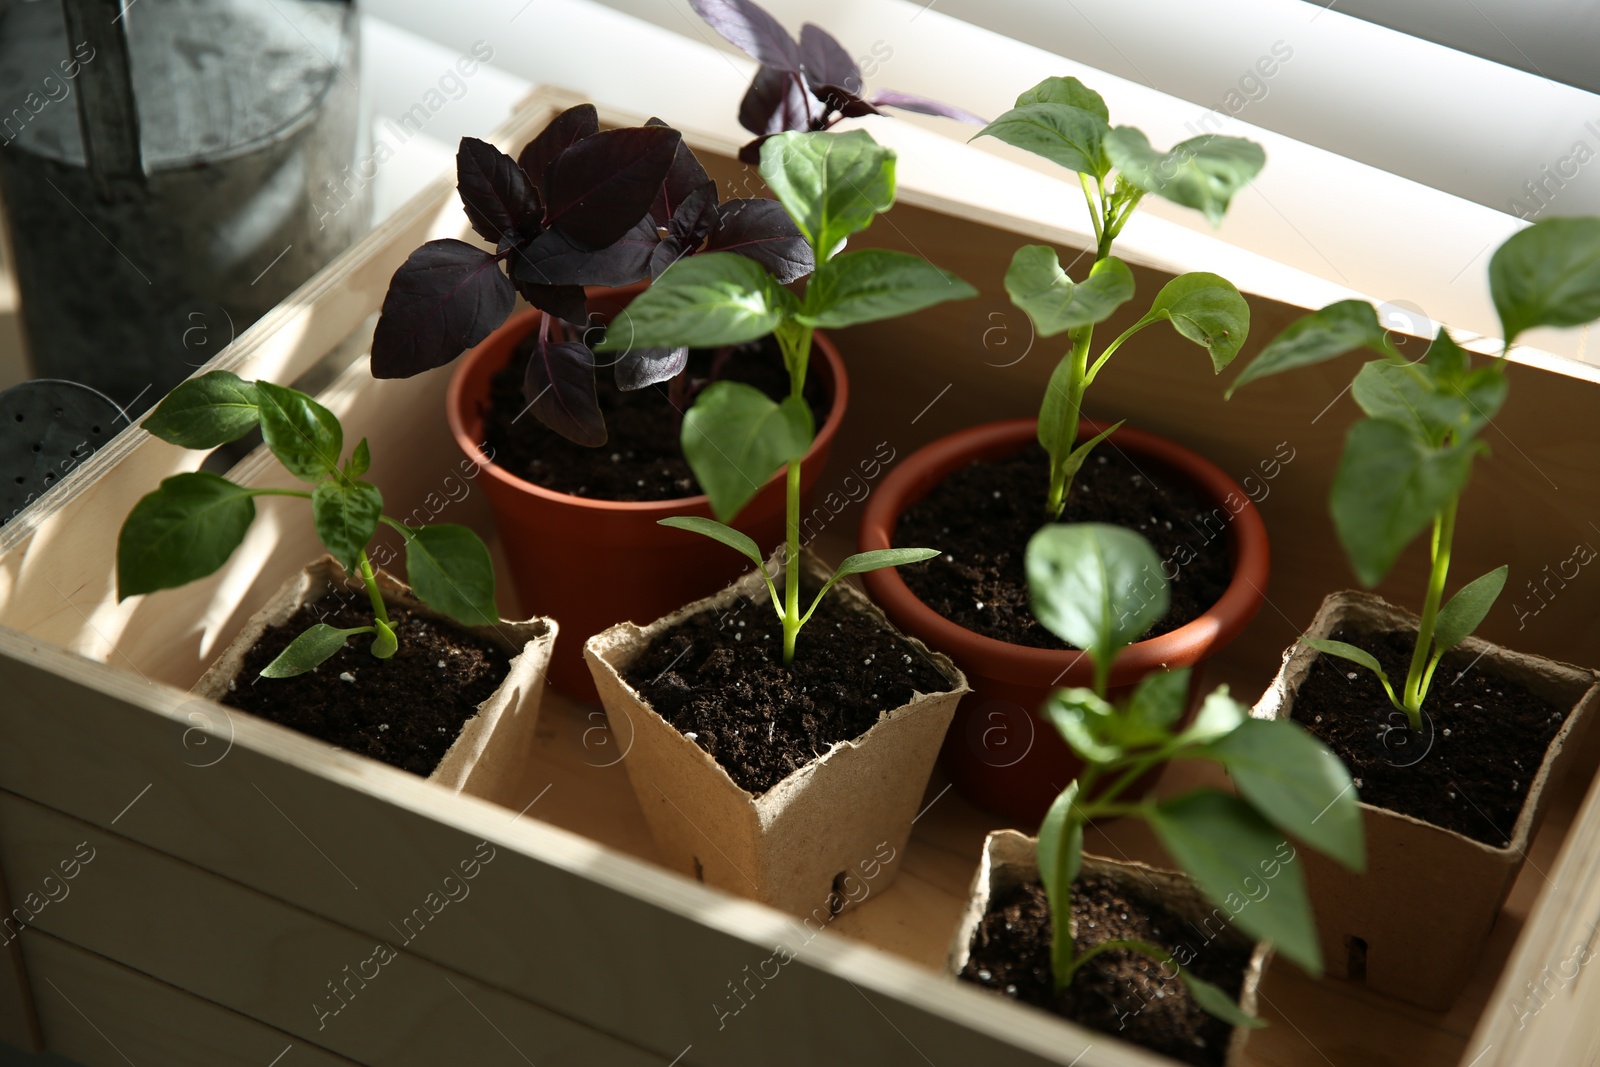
(1010,860)
(1414,923)
(487,757)
(804,844)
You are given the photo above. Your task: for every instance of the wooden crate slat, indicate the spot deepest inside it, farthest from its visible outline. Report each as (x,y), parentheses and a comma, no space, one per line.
(19,1022)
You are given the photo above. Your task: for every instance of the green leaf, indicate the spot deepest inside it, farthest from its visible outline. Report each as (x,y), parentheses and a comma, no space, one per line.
(1203,172)
(1228,848)
(832,184)
(1214,1001)
(1316,338)
(875,284)
(206,412)
(184,530)
(311,649)
(715,530)
(1068,91)
(1064,134)
(1095,585)
(385,644)
(346,514)
(304,435)
(876,560)
(1219,716)
(703,301)
(360,460)
(1059,853)
(1547,275)
(1432,398)
(1080,452)
(1037,284)
(1359,656)
(449,568)
(1464,611)
(1158,701)
(735,437)
(1387,490)
(1207,310)
(1086,722)
(1298,784)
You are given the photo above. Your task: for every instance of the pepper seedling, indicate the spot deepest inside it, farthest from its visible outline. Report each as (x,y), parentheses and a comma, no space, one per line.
(832,185)
(1407,463)
(1099,587)
(578,206)
(807,85)
(187,529)
(1066,122)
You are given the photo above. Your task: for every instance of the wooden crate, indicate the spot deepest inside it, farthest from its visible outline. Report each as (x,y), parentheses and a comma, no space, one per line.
(242,874)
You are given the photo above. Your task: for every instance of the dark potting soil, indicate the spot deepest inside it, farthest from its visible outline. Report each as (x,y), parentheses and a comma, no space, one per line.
(642,459)
(720,679)
(405,711)
(1482,742)
(982,516)
(1119,992)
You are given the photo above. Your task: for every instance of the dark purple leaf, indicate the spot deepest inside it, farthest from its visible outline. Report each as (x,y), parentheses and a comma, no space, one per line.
(835,98)
(645,367)
(777,101)
(923,106)
(499,200)
(825,60)
(685,178)
(695,216)
(603,185)
(444,299)
(751,153)
(565,302)
(551,259)
(564,130)
(763,231)
(560,388)
(668,252)
(749,27)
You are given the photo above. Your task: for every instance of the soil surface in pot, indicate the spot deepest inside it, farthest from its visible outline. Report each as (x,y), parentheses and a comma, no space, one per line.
(982,516)
(405,711)
(1122,993)
(1483,737)
(642,461)
(720,679)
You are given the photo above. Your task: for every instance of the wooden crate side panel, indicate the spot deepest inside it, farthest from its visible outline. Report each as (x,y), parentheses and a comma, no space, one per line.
(100,1014)
(19,1022)
(375,1003)
(558,920)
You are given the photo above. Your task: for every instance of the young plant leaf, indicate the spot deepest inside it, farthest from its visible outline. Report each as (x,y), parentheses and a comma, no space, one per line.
(444,299)
(346,514)
(1463,612)
(601,186)
(1095,586)
(1387,489)
(832,184)
(1213,1001)
(1298,784)
(1062,133)
(182,531)
(876,560)
(1316,338)
(684,178)
(311,649)
(1203,172)
(922,105)
(449,568)
(1226,846)
(1359,656)
(717,531)
(1087,723)
(551,259)
(498,197)
(559,384)
(1060,855)
(566,302)
(1157,702)
(640,368)
(875,284)
(565,130)
(360,460)
(715,298)
(1207,310)
(1219,716)
(777,100)
(735,437)
(762,230)
(1068,91)
(384,642)
(825,60)
(1547,275)
(206,412)
(304,436)
(1037,284)
(749,27)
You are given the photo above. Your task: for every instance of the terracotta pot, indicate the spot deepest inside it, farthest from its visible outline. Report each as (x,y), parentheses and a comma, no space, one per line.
(1009,861)
(999,753)
(820,841)
(488,756)
(1415,923)
(591,563)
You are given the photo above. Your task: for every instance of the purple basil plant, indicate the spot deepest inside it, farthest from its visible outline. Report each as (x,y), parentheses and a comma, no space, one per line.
(579,206)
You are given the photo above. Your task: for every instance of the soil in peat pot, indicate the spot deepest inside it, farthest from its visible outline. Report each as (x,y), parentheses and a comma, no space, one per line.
(642,460)
(719,678)
(1482,742)
(405,711)
(982,516)
(1126,994)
